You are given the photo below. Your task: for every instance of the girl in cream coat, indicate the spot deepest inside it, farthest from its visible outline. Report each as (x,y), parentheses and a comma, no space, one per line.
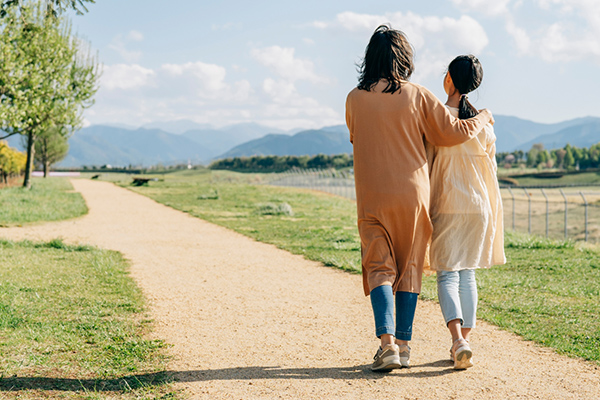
(466,212)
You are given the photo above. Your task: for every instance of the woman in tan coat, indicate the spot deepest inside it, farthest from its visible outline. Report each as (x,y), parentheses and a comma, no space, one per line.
(389,118)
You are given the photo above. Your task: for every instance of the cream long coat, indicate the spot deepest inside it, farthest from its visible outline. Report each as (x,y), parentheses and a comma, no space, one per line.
(392,177)
(466,205)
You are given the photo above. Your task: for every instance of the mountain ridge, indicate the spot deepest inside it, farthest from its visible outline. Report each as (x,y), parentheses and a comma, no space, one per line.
(110,144)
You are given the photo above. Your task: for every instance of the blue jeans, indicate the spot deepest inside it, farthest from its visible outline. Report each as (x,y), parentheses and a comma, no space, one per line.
(382,300)
(457,293)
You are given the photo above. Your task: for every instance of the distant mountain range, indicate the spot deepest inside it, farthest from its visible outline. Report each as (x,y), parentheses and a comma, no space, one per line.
(583,134)
(328,140)
(100,145)
(518,134)
(219,141)
(121,146)
(182,141)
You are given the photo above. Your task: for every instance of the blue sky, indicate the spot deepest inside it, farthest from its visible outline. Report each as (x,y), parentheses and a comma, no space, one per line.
(291,64)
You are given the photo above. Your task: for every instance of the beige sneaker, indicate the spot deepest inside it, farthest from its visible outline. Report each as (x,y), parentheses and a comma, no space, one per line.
(386,359)
(462,355)
(404,351)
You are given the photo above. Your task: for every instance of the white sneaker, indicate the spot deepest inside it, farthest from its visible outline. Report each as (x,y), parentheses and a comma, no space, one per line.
(404,351)
(462,355)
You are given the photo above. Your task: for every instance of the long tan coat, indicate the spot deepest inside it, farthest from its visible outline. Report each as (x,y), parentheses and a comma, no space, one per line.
(392,178)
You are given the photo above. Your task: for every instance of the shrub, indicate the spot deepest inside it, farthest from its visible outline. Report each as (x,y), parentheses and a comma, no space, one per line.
(274,209)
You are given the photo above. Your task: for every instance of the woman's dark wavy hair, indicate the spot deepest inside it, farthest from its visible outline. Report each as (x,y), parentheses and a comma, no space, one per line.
(466,73)
(388,56)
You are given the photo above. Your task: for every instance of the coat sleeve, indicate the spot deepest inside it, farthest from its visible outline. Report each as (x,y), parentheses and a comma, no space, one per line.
(349,123)
(441,128)
(491,147)
(431,153)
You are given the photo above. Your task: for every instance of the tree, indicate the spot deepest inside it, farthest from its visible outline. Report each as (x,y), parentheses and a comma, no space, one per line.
(46,77)
(542,157)
(51,147)
(560,158)
(568,160)
(12,162)
(595,155)
(532,155)
(53,7)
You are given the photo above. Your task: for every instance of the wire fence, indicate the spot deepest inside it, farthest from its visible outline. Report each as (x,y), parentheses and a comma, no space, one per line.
(558,213)
(340,183)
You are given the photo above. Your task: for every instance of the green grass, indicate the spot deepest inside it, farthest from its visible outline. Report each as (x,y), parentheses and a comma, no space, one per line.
(49,199)
(547,292)
(584,178)
(72,325)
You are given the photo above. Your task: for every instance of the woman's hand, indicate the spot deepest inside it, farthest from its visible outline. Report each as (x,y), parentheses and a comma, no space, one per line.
(490,114)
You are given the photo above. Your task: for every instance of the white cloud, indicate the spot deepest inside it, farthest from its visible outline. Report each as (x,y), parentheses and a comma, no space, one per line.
(282,103)
(280,91)
(495,7)
(352,21)
(283,62)
(118,44)
(520,36)
(558,44)
(589,10)
(436,39)
(126,77)
(464,32)
(576,35)
(210,77)
(135,36)
(202,92)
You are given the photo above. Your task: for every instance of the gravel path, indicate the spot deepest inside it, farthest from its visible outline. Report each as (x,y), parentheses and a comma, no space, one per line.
(249,321)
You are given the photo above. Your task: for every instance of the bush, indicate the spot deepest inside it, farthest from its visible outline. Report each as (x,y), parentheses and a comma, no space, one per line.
(283,163)
(274,209)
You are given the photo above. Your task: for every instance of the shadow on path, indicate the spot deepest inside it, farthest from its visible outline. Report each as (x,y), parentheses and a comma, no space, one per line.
(12,384)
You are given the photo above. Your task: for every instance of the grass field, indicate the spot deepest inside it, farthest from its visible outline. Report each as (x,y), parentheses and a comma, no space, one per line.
(556,212)
(584,178)
(547,292)
(49,199)
(72,326)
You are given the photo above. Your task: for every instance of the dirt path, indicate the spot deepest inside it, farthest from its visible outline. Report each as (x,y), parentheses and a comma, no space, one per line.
(249,321)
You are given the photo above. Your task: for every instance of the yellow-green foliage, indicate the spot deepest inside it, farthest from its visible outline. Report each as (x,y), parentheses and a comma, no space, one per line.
(12,162)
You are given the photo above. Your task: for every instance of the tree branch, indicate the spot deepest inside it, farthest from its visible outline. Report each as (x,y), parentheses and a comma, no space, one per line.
(9,135)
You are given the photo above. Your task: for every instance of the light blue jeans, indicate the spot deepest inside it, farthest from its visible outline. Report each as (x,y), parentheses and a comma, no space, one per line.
(457,293)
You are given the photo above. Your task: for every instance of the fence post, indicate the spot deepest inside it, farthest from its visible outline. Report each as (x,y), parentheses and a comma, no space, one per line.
(547,211)
(586,215)
(529,212)
(513,210)
(566,212)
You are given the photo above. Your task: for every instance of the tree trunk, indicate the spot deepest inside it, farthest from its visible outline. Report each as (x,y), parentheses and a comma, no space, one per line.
(29,165)
(46,168)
